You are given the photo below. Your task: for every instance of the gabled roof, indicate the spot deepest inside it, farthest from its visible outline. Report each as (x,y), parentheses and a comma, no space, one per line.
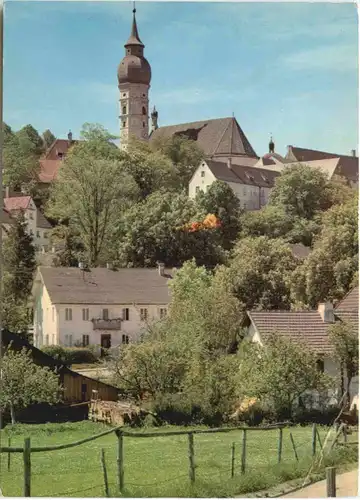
(70,285)
(348,166)
(41,221)
(17,203)
(242,174)
(49,170)
(350,302)
(61,146)
(51,161)
(216,137)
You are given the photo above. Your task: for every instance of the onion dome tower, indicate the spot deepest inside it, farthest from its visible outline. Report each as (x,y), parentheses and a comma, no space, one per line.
(134,76)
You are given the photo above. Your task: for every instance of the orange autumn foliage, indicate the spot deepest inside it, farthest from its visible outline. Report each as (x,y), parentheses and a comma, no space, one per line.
(210,222)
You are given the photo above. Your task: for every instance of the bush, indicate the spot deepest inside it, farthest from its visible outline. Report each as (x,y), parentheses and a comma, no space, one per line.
(71,355)
(323,416)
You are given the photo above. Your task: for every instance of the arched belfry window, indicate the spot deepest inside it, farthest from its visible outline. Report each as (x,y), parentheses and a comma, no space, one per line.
(144,110)
(124,110)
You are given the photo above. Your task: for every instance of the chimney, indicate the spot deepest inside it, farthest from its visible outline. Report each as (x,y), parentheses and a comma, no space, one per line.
(70,136)
(326,311)
(353,153)
(229,163)
(161,268)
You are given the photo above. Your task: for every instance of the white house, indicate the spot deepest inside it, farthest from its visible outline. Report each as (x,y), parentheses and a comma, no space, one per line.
(37,224)
(310,327)
(251,185)
(102,306)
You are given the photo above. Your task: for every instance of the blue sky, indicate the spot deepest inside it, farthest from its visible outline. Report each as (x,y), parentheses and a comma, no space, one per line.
(290,69)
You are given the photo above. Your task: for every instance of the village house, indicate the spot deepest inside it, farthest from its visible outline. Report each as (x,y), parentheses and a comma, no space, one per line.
(310,327)
(101,306)
(38,226)
(251,185)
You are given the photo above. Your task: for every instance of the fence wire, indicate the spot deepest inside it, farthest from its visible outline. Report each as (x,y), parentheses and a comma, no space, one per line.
(153,466)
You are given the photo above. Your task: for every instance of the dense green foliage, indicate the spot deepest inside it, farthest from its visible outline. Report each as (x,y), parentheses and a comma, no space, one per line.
(24,383)
(71,355)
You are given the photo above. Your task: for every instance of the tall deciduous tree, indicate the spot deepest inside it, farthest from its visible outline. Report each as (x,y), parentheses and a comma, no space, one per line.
(329,270)
(91,191)
(30,140)
(278,373)
(259,272)
(301,190)
(184,154)
(221,201)
(345,340)
(48,138)
(24,383)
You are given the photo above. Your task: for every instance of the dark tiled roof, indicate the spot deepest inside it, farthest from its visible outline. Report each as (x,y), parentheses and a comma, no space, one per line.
(104,286)
(41,221)
(301,326)
(348,166)
(217,137)
(242,174)
(350,302)
(61,146)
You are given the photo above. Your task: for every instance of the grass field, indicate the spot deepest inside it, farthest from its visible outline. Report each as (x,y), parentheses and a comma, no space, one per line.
(154,466)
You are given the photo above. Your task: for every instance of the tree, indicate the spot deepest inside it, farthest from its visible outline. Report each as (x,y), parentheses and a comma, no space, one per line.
(150,169)
(258,273)
(345,340)
(184,154)
(19,260)
(301,190)
(329,270)
(48,138)
(30,140)
(19,268)
(221,201)
(279,373)
(24,383)
(91,191)
(153,230)
(275,222)
(68,246)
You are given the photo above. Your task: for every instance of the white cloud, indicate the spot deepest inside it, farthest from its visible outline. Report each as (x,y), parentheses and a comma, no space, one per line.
(337,58)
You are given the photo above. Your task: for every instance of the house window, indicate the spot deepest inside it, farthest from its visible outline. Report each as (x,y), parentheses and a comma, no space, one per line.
(53,313)
(45,234)
(46,339)
(203,173)
(60,155)
(85,340)
(320,365)
(143,314)
(31,216)
(53,339)
(162,312)
(105,314)
(85,314)
(70,340)
(38,234)
(68,314)
(244,191)
(245,206)
(197,189)
(125,339)
(126,314)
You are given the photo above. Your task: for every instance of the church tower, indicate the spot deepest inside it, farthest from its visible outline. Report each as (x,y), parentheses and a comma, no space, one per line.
(134,75)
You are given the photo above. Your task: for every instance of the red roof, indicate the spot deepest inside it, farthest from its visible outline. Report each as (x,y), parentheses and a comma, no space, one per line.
(51,162)
(17,203)
(58,148)
(49,170)
(350,302)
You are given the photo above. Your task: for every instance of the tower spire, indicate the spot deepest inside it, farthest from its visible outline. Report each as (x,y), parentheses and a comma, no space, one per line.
(134,38)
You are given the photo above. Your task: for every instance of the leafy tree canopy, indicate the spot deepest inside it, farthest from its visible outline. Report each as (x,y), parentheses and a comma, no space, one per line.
(48,138)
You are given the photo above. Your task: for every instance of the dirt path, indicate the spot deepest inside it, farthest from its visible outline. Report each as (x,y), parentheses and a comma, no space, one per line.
(346,486)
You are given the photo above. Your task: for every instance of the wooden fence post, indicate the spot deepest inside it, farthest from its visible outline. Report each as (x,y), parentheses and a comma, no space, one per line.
(280,444)
(27,467)
(191,457)
(314,431)
(293,445)
(243,453)
(9,455)
(120,460)
(331,482)
(233,460)
(103,463)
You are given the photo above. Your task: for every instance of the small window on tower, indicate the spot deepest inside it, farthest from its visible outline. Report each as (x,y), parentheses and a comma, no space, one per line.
(144,110)
(144,124)
(124,123)
(124,110)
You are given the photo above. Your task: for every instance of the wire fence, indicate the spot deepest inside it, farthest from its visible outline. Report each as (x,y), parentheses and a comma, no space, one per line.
(140,463)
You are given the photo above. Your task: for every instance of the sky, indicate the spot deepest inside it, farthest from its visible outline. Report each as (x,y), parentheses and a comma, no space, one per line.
(287,69)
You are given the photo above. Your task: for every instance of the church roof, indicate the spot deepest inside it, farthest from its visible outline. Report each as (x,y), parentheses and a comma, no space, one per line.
(242,174)
(216,137)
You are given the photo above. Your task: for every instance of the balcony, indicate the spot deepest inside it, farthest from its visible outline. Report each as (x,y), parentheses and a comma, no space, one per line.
(106,324)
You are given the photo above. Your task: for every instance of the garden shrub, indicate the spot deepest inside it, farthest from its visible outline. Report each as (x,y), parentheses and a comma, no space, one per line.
(71,355)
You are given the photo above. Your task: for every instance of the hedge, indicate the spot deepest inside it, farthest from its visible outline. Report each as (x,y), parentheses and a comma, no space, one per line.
(71,355)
